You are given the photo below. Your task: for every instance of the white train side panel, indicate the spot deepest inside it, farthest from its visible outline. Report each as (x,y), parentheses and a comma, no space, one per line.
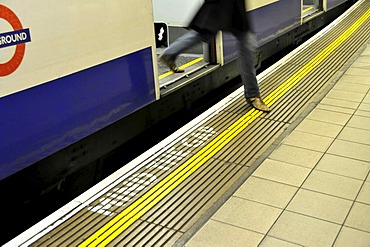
(79,35)
(69,68)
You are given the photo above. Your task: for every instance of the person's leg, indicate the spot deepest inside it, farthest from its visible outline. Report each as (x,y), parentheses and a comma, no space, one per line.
(247,45)
(180,45)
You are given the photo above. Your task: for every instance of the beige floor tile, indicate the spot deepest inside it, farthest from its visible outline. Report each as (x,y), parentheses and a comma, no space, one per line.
(362,113)
(266,192)
(338,109)
(358,72)
(248,215)
(359,217)
(343,166)
(308,141)
(365,56)
(345,95)
(320,206)
(364,107)
(319,128)
(351,87)
(329,117)
(282,172)
(352,237)
(364,196)
(367,99)
(355,135)
(339,103)
(304,230)
(274,242)
(361,63)
(363,59)
(215,234)
(297,156)
(359,122)
(353,78)
(350,150)
(366,51)
(332,184)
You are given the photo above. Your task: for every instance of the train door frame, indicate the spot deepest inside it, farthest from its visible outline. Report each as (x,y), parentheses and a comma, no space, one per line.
(217,53)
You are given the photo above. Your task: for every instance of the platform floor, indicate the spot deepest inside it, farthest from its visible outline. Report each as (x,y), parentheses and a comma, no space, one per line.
(314,188)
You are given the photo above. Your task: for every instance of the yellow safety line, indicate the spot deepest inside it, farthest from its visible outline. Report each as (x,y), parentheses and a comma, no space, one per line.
(181,67)
(122,221)
(308,9)
(301,73)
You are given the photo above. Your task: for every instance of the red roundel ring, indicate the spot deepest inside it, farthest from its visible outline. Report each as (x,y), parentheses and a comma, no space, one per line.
(10,66)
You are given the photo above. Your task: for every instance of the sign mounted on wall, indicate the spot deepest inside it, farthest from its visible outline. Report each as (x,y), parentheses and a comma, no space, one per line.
(18,38)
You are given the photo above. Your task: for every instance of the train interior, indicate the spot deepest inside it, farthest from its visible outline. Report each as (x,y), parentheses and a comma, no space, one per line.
(169,26)
(191,60)
(311,7)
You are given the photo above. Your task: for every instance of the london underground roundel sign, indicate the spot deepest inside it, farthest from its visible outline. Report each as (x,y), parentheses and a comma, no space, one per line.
(18,38)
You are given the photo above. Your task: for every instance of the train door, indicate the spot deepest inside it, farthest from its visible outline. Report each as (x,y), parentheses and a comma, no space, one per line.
(171,18)
(311,7)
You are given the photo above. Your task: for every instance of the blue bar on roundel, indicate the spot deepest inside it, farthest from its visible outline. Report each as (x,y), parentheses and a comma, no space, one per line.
(15,37)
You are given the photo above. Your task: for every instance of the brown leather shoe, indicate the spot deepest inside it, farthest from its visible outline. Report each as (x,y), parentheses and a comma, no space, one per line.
(258,104)
(171,64)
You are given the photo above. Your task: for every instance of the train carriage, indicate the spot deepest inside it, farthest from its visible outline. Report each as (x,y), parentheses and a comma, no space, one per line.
(85,66)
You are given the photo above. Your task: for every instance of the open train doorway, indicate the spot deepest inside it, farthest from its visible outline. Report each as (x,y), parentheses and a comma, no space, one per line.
(171,18)
(311,7)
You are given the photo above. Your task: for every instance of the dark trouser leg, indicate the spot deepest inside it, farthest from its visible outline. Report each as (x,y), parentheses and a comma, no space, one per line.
(184,42)
(247,45)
